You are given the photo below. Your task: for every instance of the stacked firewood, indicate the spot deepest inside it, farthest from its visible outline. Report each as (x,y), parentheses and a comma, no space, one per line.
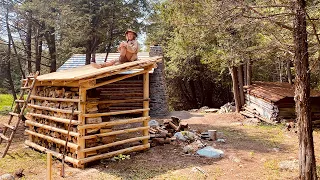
(55,92)
(163,134)
(58,92)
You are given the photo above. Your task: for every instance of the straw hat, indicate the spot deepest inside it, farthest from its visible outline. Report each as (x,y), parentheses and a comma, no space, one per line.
(130,30)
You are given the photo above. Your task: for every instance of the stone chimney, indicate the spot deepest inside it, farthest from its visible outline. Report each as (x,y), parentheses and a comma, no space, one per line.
(158,95)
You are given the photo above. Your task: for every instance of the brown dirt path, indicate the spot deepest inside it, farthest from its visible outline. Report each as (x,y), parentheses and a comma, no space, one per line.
(251,152)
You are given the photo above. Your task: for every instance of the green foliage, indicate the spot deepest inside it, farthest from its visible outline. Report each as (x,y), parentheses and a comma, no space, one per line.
(202,38)
(6,101)
(121,157)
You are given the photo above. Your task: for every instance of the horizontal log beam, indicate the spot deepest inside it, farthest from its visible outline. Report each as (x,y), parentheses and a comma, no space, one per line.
(120,78)
(56,154)
(58,83)
(124,131)
(113,123)
(115,143)
(55,140)
(114,153)
(28,122)
(62,120)
(117,101)
(53,109)
(54,99)
(115,113)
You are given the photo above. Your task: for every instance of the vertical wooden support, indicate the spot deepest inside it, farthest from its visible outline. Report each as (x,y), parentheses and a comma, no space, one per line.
(249,72)
(235,86)
(49,166)
(240,80)
(145,104)
(82,121)
(32,102)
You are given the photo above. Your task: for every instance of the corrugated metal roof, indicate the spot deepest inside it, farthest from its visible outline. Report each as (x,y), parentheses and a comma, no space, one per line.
(78,60)
(274,91)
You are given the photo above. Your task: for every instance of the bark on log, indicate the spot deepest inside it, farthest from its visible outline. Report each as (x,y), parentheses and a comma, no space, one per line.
(289,72)
(240,79)
(249,72)
(307,164)
(234,76)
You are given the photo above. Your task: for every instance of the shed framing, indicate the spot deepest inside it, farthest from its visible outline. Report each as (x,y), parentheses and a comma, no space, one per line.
(274,101)
(92,137)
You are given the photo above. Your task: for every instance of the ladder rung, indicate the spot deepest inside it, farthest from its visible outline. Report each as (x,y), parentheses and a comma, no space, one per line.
(30,77)
(20,101)
(14,114)
(9,126)
(4,137)
(25,87)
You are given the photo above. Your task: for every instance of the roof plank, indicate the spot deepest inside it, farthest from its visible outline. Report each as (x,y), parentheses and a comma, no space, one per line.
(87,71)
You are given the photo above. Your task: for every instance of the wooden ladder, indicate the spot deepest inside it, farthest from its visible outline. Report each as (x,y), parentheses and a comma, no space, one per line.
(16,113)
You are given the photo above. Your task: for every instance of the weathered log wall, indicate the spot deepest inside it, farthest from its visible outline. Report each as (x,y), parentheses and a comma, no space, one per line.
(283,109)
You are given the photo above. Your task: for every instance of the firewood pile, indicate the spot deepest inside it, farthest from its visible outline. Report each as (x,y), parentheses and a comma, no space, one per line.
(43,108)
(164,134)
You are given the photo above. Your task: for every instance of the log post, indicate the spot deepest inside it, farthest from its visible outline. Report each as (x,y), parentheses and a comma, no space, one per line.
(145,104)
(233,71)
(307,162)
(249,72)
(289,72)
(82,121)
(49,166)
(32,101)
(240,79)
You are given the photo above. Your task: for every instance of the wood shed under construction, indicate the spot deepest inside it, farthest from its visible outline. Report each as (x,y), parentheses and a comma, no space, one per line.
(274,101)
(87,96)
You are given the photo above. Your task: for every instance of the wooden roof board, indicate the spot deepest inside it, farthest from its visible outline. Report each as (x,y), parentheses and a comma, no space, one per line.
(274,91)
(77,60)
(87,71)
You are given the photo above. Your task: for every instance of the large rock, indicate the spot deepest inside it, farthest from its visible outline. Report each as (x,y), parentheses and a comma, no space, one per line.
(153,123)
(210,152)
(289,165)
(185,136)
(6,177)
(229,107)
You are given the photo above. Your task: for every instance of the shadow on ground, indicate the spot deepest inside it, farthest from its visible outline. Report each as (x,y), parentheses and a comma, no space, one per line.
(168,158)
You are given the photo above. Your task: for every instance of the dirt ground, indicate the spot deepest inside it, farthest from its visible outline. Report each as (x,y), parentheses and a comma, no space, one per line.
(251,152)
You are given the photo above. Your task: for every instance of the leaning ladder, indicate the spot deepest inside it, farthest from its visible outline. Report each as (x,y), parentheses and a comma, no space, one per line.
(16,113)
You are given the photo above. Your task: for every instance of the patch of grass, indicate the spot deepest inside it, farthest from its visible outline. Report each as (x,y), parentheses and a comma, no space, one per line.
(272,168)
(26,159)
(271,164)
(318,170)
(5,103)
(272,134)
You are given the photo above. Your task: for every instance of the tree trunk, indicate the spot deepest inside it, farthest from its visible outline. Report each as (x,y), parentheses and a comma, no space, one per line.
(38,48)
(51,40)
(193,93)
(307,164)
(14,47)
(88,55)
(234,76)
(245,75)
(8,73)
(28,42)
(289,72)
(280,71)
(249,72)
(240,79)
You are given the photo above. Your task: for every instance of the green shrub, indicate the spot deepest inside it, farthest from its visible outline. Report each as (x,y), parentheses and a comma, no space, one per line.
(5,102)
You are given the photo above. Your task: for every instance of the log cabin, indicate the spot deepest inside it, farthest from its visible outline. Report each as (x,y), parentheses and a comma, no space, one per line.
(274,101)
(96,102)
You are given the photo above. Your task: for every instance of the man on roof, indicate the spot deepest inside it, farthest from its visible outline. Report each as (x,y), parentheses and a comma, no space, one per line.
(128,51)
